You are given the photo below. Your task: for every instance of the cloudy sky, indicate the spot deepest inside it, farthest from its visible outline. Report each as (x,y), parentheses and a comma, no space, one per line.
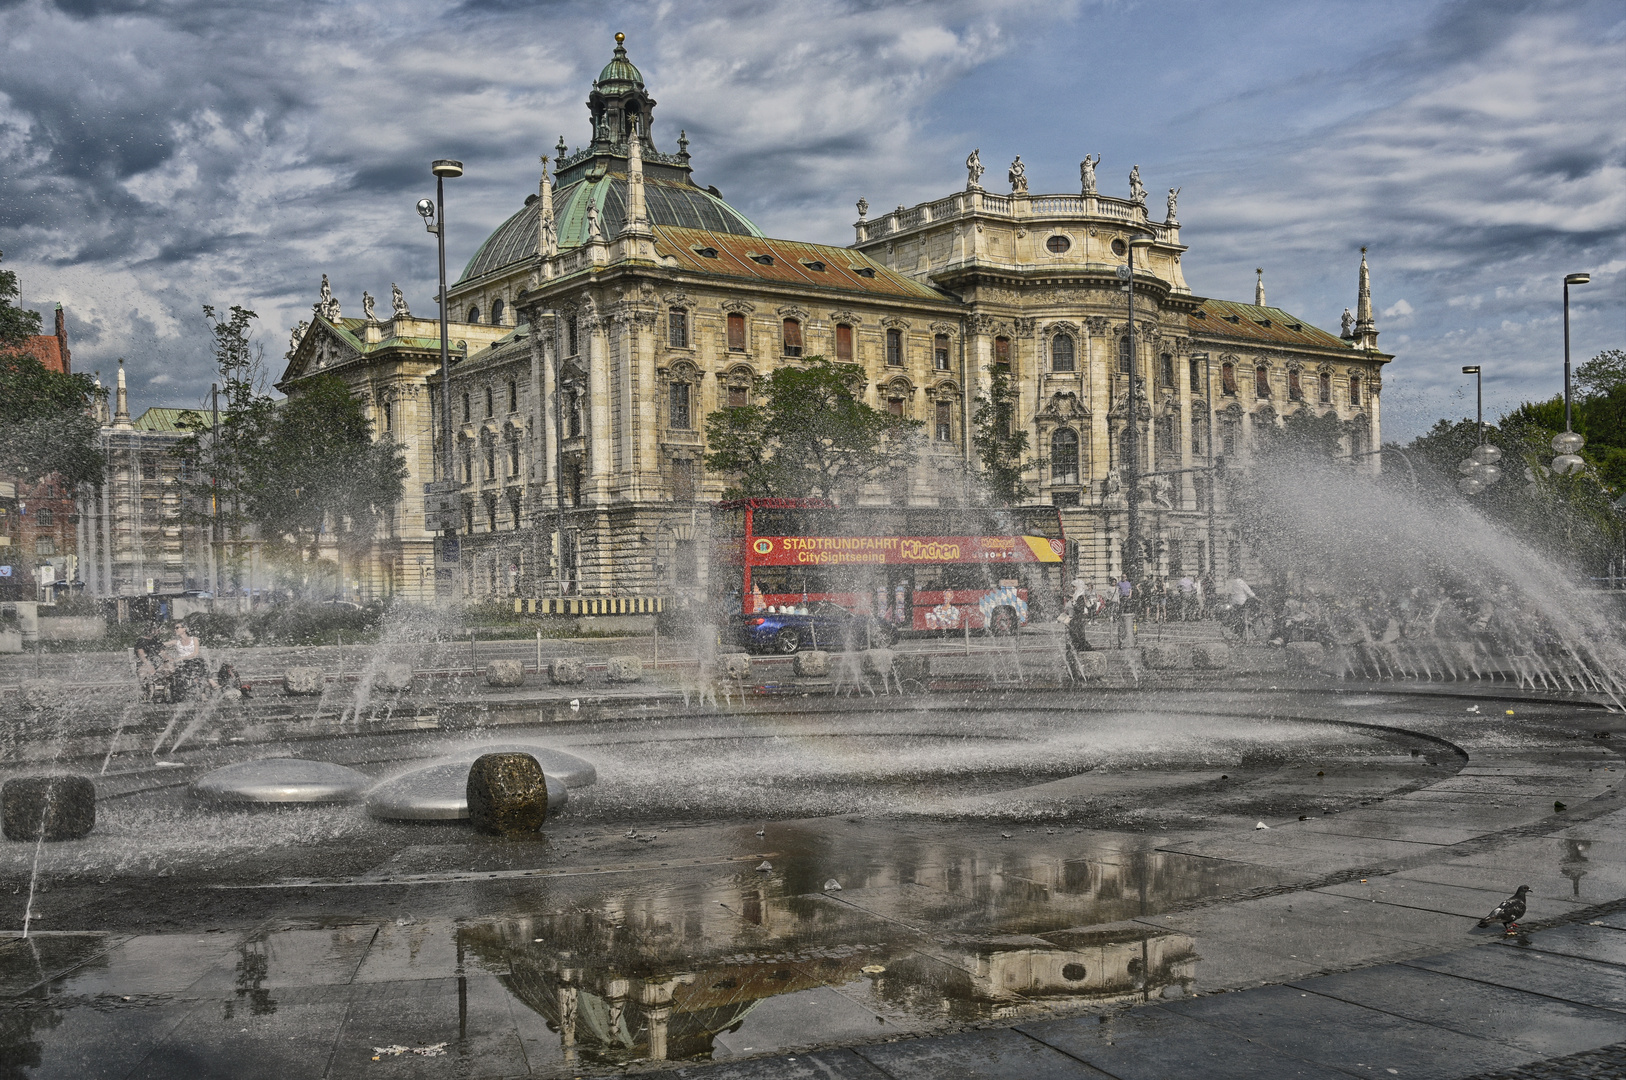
(156,155)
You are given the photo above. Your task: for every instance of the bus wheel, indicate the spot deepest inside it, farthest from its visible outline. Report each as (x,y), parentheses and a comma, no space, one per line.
(1003,623)
(788,641)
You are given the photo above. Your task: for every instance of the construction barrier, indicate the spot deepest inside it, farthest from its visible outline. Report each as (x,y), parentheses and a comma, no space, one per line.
(590,605)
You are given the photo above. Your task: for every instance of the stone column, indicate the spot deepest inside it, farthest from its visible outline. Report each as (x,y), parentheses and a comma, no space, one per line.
(600,434)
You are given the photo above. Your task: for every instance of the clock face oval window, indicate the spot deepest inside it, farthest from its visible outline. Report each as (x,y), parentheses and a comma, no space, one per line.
(1119,247)
(1058,245)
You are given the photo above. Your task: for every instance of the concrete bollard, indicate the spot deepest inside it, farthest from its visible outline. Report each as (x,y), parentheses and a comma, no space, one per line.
(1166,657)
(65,805)
(1305,657)
(625,669)
(566,671)
(916,667)
(1211,655)
(735,666)
(393,678)
(1092,665)
(812,665)
(878,661)
(302,680)
(505,673)
(507,794)
(11,641)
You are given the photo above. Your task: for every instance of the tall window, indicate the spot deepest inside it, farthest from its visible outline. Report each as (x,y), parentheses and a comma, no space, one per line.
(491,461)
(465,408)
(572,344)
(513,395)
(894,348)
(677,328)
(944,422)
(1167,371)
(513,510)
(1354,389)
(1123,356)
(468,466)
(1064,456)
(491,408)
(573,409)
(1168,436)
(736,332)
(1002,352)
(682,481)
(894,406)
(793,337)
(678,414)
(844,342)
(739,395)
(940,352)
(1061,353)
(1228,379)
(491,513)
(513,455)
(1196,375)
(1261,381)
(386,411)
(1295,388)
(1326,388)
(1196,435)
(685,556)
(474,314)
(496,312)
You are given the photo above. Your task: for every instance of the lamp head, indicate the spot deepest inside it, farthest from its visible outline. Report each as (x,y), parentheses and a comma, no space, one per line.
(1577,279)
(1471,369)
(446,167)
(426,209)
(1141,241)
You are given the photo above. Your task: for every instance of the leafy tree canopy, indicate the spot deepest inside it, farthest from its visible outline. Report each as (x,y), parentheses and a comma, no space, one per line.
(45,423)
(1001,443)
(810,435)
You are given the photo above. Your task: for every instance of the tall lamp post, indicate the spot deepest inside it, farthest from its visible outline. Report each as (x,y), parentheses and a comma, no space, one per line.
(1134,555)
(434,219)
(1479,469)
(1567,443)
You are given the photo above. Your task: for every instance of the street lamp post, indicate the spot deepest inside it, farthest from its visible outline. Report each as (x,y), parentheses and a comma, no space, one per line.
(1567,443)
(434,218)
(1479,469)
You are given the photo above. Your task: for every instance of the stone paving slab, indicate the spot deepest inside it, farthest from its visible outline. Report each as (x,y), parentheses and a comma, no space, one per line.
(993,1054)
(1398,890)
(1602,986)
(1602,944)
(1546,888)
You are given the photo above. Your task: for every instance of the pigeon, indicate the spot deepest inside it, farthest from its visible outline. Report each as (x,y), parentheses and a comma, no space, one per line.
(1508,912)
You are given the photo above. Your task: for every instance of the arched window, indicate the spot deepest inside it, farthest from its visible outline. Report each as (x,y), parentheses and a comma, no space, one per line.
(1196,376)
(513,455)
(1123,355)
(1295,388)
(678,411)
(1061,353)
(573,409)
(736,332)
(793,337)
(474,314)
(1064,456)
(465,408)
(940,352)
(1124,439)
(385,411)
(497,310)
(1002,352)
(894,348)
(1197,435)
(1326,388)
(1228,379)
(944,422)
(1261,381)
(1354,389)
(677,328)
(491,513)
(491,461)
(513,396)
(1168,435)
(491,405)
(513,510)
(572,346)
(844,342)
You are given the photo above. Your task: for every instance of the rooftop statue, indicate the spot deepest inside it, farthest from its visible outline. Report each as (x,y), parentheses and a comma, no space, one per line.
(593,231)
(1018,177)
(1174,198)
(1137,190)
(398,302)
(295,336)
(327,305)
(974,171)
(1349,324)
(1086,172)
(863,206)
(367,307)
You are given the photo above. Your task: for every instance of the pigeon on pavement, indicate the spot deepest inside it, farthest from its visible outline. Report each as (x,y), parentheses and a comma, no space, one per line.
(1508,912)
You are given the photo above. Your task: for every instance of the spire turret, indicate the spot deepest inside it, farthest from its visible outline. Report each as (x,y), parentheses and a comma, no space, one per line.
(121,413)
(1366,327)
(1259,288)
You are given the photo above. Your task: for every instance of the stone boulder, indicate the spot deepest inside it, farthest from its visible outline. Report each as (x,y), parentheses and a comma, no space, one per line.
(507,794)
(879,661)
(566,671)
(812,665)
(11,640)
(505,673)
(1092,665)
(1211,655)
(625,669)
(915,667)
(393,678)
(1165,657)
(1305,657)
(302,680)
(64,805)
(734,666)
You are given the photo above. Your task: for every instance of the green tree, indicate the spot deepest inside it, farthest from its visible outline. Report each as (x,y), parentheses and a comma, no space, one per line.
(45,421)
(319,471)
(1602,373)
(1000,442)
(810,436)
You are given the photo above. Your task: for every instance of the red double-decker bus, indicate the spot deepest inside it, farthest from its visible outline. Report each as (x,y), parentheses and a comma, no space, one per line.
(946,570)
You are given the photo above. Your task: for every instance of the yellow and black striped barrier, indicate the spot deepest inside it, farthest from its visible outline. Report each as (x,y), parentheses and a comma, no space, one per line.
(590,605)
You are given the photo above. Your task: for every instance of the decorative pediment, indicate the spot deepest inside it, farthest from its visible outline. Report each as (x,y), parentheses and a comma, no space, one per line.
(736,306)
(1097,325)
(946,390)
(892,322)
(899,385)
(1062,326)
(945,328)
(677,300)
(1026,326)
(791,311)
(681,371)
(1064,407)
(849,317)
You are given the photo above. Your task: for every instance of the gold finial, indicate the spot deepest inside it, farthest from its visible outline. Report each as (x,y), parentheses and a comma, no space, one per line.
(620,37)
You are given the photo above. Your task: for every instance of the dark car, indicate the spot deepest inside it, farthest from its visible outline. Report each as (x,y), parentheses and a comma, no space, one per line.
(820,625)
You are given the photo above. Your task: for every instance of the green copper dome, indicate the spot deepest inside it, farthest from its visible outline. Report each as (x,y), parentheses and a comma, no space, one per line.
(619,69)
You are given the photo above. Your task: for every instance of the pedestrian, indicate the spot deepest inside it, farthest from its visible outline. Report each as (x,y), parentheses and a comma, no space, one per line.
(1126,613)
(1187,592)
(1078,616)
(1241,597)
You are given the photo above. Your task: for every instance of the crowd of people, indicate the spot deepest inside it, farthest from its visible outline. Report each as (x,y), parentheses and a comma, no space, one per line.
(171,664)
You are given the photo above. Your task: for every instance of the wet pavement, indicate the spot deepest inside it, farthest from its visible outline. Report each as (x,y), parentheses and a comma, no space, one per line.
(1008,886)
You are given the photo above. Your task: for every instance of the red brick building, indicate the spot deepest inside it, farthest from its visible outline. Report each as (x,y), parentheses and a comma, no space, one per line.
(37,534)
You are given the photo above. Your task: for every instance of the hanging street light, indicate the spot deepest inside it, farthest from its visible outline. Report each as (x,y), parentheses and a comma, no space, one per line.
(1567,443)
(1479,469)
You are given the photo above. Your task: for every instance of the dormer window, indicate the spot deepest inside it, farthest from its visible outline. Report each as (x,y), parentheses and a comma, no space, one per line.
(764,260)
(814,265)
(1295,326)
(864,271)
(1233,318)
(1199,314)
(706,252)
(1263,322)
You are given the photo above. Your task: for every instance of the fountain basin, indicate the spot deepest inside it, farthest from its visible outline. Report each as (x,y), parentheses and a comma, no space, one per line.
(273,781)
(440,793)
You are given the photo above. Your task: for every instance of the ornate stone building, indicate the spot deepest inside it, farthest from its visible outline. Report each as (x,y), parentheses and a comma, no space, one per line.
(623,303)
